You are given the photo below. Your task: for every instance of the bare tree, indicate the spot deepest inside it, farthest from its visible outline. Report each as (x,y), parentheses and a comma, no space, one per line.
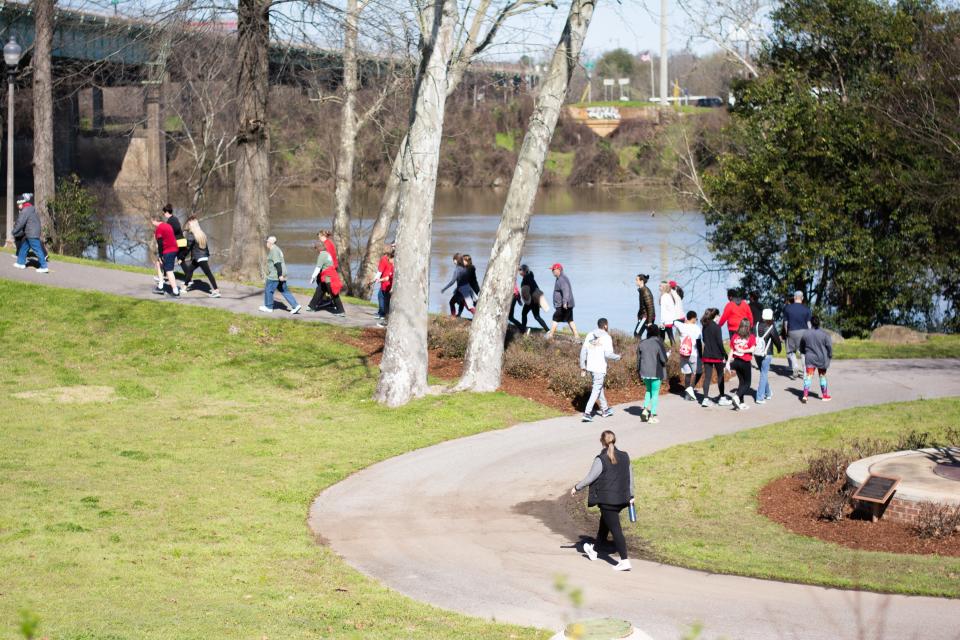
(252,170)
(484,357)
(44,179)
(731,25)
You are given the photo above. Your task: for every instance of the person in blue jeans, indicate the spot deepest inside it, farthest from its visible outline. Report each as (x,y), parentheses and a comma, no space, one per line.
(28,228)
(276,269)
(767,339)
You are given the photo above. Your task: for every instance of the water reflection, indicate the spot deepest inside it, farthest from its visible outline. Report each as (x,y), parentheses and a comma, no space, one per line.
(602,237)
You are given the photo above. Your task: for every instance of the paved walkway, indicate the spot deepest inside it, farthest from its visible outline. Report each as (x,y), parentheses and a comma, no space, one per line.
(236,298)
(457,525)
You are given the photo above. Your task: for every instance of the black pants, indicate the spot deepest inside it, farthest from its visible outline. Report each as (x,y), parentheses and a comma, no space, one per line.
(527,308)
(205,267)
(709,368)
(323,296)
(386,302)
(744,372)
(457,303)
(668,332)
(610,523)
(513,309)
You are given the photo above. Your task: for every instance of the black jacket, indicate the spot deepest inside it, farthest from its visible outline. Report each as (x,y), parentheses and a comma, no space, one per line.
(469,276)
(646,305)
(713,348)
(760,328)
(196,252)
(613,485)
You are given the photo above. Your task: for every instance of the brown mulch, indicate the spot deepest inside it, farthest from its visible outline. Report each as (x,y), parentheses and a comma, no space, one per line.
(786,501)
(370,344)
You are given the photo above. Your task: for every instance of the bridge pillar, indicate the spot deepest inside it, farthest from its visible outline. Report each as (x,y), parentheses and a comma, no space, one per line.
(66,123)
(156,140)
(96,99)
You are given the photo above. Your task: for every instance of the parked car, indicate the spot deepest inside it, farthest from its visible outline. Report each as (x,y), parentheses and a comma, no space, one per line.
(710,102)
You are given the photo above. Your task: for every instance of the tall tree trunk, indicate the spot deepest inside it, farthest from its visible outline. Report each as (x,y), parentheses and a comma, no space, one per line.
(484,358)
(381,227)
(343,189)
(403,370)
(44,179)
(252,171)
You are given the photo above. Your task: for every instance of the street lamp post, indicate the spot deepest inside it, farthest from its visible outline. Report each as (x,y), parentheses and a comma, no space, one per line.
(11,56)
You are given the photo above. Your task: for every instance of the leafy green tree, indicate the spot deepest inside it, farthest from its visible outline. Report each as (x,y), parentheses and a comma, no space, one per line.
(808,194)
(618,63)
(74,215)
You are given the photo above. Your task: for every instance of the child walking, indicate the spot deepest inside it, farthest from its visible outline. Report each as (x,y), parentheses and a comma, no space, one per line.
(714,355)
(651,360)
(688,334)
(742,344)
(817,349)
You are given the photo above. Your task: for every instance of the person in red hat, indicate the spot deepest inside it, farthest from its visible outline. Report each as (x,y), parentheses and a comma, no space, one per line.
(562,301)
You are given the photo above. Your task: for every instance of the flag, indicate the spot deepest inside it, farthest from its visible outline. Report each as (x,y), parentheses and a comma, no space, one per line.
(645,56)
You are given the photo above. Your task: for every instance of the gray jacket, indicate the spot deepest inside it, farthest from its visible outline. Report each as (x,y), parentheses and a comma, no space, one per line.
(651,358)
(562,292)
(817,348)
(28,223)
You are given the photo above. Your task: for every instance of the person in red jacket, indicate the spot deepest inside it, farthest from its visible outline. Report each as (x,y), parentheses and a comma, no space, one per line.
(736,310)
(166,255)
(386,286)
(327,239)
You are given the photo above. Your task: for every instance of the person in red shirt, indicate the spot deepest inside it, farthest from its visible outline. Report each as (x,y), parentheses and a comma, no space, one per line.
(327,239)
(385,259)
(736,311)
(742,342)
(166,255)
(386,285)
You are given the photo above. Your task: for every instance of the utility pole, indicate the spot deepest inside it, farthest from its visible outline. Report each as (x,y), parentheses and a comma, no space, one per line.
(663,54)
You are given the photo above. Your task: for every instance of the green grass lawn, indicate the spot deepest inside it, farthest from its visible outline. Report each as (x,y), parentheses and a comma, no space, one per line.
(937,346)
(697,504)
(178,508)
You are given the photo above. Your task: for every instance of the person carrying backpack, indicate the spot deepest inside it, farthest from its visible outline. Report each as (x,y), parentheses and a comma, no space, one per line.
(689,333)
(767,339)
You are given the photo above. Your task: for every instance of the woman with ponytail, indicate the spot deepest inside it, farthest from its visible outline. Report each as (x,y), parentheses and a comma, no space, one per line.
(611,489)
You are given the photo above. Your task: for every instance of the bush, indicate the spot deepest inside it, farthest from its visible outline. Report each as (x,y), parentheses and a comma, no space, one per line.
(826,468)
(834,505)
(448,336)
(937,521)
(567,381)
(73,213)
(523,363)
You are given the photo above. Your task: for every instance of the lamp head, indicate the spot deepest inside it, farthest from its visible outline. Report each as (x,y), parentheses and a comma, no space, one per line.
(11,52)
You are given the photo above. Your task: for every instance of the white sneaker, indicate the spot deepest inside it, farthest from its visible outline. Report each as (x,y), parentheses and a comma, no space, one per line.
(266,309)
(623,565)
(724,401)
(43,270)
(707,403)
(589,550)
(19,266)
(691,394)
(736,403)
(296,309)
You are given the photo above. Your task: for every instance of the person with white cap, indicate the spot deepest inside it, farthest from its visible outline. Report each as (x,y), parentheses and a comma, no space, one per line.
(767,338)
(796,321)
(28,228)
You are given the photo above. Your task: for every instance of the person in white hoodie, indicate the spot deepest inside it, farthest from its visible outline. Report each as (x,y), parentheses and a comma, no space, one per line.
(596,350)
(671,308)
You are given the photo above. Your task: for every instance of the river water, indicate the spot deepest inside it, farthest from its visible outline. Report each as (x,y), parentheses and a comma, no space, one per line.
(603,238)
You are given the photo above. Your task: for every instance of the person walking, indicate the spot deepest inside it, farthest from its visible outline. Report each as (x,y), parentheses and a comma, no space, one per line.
(386,287)
(170,218)
(532,298)
(742,343)
(646,314)
(796,321)
(563,302)
(199,250)
(329,285)
(817,348)
(467,284)
(276,280)
(167,250)
(734,312)
(326,237)
(378,278)
(651,361)
(714,355)
(767,339)
(596,350)
(671,308)
(756,310)
(457,303)
(611,489)
(28,229)
(688,335)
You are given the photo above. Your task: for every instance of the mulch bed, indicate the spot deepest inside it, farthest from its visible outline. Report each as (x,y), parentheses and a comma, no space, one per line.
(536,389)
(786,501)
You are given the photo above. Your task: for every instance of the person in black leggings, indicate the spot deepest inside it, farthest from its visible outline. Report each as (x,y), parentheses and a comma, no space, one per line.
(530,295)
(742,344)
(714,356)
(199,251)
(611,489)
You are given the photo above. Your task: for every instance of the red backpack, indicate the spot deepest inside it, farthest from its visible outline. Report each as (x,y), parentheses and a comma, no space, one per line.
(336,285)
(686,346)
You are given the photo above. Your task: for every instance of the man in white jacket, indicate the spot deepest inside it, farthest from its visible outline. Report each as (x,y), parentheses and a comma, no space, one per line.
(596,350)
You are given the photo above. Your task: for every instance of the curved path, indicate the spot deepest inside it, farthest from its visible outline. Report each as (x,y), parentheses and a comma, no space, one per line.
(452,525)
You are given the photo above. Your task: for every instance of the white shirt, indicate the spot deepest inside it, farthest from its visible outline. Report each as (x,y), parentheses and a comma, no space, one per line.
(671,308)
(683,329)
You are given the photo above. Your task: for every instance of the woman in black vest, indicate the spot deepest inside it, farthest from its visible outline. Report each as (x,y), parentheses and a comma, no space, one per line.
(611,489)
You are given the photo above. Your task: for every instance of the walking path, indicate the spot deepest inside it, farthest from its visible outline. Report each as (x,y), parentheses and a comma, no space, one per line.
(235,297)
(459,525)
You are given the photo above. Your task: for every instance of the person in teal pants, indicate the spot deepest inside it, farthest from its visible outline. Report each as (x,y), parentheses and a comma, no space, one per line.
(651,363)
